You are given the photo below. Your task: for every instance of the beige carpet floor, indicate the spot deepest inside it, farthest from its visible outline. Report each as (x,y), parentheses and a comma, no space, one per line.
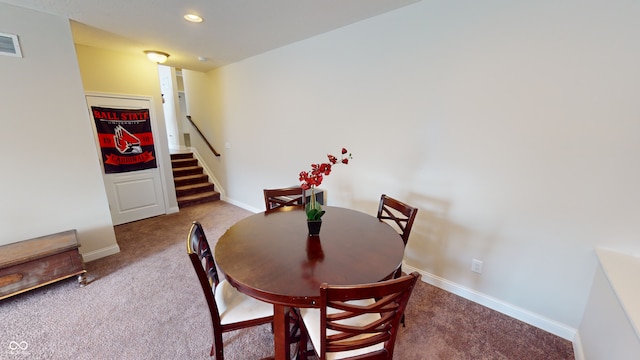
(145,303)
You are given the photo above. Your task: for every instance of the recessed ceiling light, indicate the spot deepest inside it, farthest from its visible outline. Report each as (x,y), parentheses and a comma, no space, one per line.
(193,18)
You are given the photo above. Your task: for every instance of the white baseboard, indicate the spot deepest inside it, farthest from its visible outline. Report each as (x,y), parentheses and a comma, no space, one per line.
(100,253)
(515,312)
(173,210)
(578,353)
(243,205)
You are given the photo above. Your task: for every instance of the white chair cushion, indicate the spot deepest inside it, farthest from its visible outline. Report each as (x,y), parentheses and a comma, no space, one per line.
(235,306)
(311,319)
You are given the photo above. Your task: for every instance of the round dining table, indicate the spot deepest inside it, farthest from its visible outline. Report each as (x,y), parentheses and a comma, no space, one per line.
(271,257)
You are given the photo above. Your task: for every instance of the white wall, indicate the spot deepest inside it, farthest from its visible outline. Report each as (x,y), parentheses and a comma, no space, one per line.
(513,126)
(51,178)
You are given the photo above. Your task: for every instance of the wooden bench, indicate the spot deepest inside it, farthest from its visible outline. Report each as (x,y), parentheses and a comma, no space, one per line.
(29,264)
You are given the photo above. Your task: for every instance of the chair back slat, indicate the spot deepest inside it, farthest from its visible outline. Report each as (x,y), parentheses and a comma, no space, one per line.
(359,316)
(199,247)
(276,198)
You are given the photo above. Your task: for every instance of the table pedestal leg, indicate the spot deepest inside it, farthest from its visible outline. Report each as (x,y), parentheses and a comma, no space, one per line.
(281,332)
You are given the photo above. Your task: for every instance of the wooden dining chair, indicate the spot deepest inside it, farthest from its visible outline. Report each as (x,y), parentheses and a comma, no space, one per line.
(229,309)
(356,321)
(401,216)
(399,213)
(276,198)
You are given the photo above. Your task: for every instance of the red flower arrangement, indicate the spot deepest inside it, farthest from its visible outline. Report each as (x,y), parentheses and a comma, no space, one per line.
(311,179)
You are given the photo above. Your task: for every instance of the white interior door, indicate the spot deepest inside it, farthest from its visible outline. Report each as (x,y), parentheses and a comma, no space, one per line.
(124,129)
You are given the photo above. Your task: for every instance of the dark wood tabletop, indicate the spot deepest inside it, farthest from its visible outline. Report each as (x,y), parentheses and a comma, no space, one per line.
(269,256)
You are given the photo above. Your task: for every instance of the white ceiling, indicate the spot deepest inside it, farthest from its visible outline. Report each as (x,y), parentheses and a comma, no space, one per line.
(232,29)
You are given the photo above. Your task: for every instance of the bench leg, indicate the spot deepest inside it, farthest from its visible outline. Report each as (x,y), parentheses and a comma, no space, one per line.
(82,279)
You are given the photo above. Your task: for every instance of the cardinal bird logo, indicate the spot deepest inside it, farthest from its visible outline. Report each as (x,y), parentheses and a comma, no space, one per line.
(126,143)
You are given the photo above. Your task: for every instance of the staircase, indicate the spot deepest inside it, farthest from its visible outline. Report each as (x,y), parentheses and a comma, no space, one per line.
(192,184)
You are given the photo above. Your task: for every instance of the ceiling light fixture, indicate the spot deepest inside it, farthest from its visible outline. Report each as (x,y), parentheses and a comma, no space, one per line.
(157,56)
(193,18)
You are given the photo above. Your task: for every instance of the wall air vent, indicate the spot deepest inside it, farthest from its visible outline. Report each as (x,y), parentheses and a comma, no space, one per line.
(9,45)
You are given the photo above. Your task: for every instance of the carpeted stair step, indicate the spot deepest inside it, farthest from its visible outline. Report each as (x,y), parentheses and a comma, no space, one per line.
(190,179)
(194,189)
(181,156)
(181,163)
(198,198)
(188,170)
(192,184)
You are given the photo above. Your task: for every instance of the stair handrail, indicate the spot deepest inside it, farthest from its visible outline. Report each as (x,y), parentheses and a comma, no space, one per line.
(202,135)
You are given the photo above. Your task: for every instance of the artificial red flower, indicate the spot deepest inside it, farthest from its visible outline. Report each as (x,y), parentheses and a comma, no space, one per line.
(325,168)
(314,177)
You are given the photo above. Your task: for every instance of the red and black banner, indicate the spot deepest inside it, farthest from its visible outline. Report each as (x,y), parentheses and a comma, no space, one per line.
(125,139)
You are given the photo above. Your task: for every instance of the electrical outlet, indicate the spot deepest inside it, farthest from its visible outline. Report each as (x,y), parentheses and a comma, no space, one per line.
(476,266)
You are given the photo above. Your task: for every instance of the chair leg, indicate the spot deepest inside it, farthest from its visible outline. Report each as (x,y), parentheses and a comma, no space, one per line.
(217,349)
(294,320)
(396,275)
(302,346)
(295,331)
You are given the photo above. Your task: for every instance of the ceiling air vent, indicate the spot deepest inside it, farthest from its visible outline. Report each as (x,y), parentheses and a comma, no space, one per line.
(9,45)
